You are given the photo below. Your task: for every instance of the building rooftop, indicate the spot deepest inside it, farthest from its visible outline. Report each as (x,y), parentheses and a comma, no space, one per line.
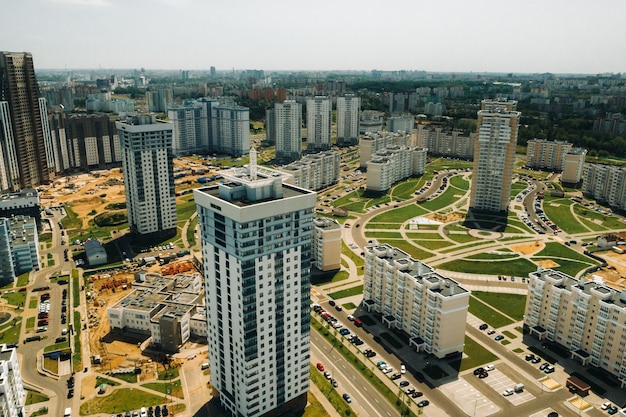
(326,223)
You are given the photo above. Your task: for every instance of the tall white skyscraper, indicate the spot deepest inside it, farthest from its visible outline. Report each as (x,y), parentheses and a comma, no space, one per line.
(348,109)
(147,161)
(494,155)
(256,246)
(288,130)
(318,118)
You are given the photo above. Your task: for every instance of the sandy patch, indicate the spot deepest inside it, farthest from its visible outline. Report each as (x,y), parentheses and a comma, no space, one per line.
(445,218)
(529,248)
(547,264)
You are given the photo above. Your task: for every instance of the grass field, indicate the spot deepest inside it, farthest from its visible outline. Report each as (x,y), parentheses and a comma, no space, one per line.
(487,314)
(399,215)
(475,355)
(517,267)
(347,292)
(121,400)
(413,251)
(512,305)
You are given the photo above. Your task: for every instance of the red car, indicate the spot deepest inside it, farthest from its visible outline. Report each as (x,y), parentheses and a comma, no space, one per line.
(320,367)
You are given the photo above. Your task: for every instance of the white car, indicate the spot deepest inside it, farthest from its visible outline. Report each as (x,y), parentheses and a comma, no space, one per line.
(508,391)
(351,317)
(387,370)
(490,367)
(402,369)
(606,405)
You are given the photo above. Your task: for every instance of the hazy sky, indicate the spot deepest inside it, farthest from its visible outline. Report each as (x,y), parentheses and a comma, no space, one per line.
(560,36)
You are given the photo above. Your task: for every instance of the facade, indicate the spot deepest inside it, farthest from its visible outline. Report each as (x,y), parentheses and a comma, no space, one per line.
(605,183)
(12,392)
(585,317)
(288,130)
(326,246)
(392,164)
(348,114)
(573,166)
(25,154)
(19,243)
(169,309)
(371,121)
(412,297)
(453,143)
(189,134)
(256,245)
(371,143)
(147,160)
(318,122)
(402,123)
(84,142)
(230,129)
(314,171)
(494,155)
(159,100)
(547,155)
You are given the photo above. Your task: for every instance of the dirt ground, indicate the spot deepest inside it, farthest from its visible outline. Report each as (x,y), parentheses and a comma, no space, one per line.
(529,248)
(615,274)
(445,218)
(547,264)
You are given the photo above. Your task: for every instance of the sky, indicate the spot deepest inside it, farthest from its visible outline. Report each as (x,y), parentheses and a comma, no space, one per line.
(524,36)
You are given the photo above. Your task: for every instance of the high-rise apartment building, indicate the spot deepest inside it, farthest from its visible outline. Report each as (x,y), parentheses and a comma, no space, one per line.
(403,123)
(573,166)
(190,133)
(348,113)
(287,125)
(159,100)
(446,143)
(315,171)
(256,245)
(605,183)
(25,149)
(494,155)
(585,317)
(318,121)
(326,254)
(19,246)
(147,161)
(231,129)
(371,143)
(393,164)
(548,155)
(12,392)
(429,307)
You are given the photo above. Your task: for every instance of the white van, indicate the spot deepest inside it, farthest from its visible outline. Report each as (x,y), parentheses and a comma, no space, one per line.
(204,366)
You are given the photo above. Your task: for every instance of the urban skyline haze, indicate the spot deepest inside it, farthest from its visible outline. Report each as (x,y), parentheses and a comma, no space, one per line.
(535,36)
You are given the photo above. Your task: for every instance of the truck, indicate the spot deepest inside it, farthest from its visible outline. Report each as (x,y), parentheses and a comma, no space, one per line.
(518,387)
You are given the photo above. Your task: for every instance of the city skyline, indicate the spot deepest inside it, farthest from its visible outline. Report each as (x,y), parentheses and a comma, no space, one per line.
(454,36)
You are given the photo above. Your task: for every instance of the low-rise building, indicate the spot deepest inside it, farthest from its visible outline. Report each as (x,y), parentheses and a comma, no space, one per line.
(169,309)
(95,252)
(586,317)
(429,307)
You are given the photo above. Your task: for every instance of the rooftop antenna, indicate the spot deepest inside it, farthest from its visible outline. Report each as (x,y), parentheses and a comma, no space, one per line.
(253,164)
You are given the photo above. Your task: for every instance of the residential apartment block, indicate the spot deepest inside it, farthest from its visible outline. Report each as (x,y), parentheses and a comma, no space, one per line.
(371,143)
(392,164)
(19,247)
(412,297)
(169,309)
(547,155)
(371,121)
(84,142)
(573,166)
(314,171)
(403,123)
(326,248)
(318,122)
(147,160)
(25,148)
(605,183)
(584,316)
(12,392)
(348,114)
(257,244)
(494,155)
(159,100)
(287,127)
(454,144)
(25,202)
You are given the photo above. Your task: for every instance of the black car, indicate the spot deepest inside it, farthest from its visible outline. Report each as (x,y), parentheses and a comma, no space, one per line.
(404,384)
(544,366)
(70,393)
(530,357)
(484,374)
(537,359)
(483,326)
(396,376)
(423,403)
(331,302)
(42,323)
(479,371)
(157,411)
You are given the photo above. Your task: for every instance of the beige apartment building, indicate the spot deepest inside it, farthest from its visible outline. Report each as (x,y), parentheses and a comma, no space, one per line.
(392,164)
(584,316)
(453,143)
(411,296)
(314,171)
(371,143)
(494,155)
(326,248)
(573,165)
(548,155)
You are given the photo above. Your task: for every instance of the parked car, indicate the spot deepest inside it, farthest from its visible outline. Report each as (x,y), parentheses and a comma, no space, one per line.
(347,398)
(490,367)
(404,384)
(483,326)
(402,369)
(498,338)
(544,366)
(331,302)
(320,366)
(605,406)
(479,371)
(417,394)
(537,359)
(507,392)
(530,357)
(423,403)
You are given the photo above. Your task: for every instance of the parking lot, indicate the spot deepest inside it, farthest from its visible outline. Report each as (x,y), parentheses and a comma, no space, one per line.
(469,399)
(500,382)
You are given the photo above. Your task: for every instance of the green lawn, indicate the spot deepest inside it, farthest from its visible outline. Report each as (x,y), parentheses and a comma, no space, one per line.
(347,292)
(331,394)
(175,387)
(475,355)
(571,268)
(22,280)
(493,256)
(448,197)
(405,190)
(33,397)
(185,207)
(71,220)
(487,314)
(15,298)
(12,333)
(512,305)
(558,250)
(433,244)
(388,235)
(413,251)
(393,226)
(610,222)
(399,215)
(119,401)
(516,267)
(314,408)
(558,210)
